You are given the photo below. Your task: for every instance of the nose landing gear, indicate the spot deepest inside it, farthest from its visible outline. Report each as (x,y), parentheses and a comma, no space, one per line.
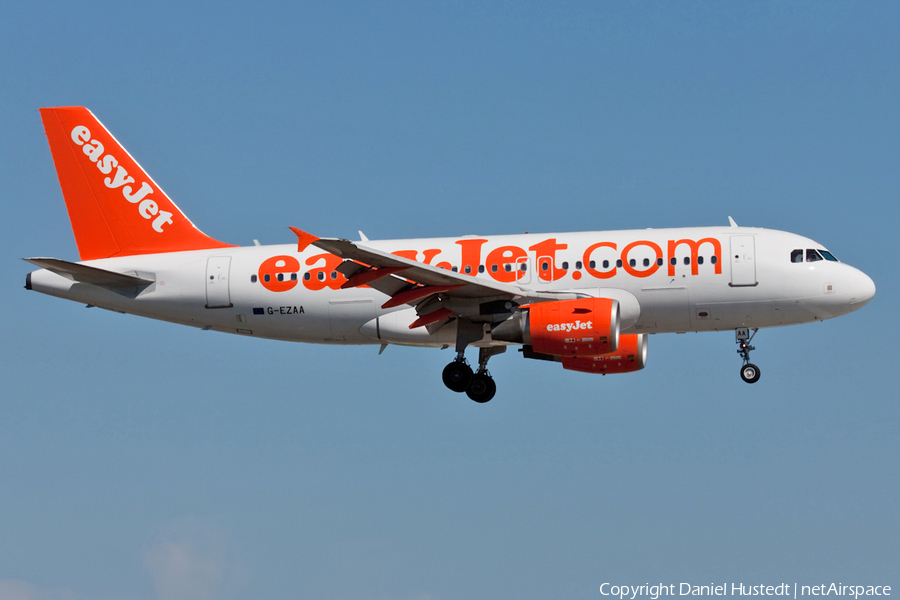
(478,386)
(742,336)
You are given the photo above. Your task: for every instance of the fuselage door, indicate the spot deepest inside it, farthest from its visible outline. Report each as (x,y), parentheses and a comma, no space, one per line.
(743,260)
(523,270)
(217,294)
(545,268)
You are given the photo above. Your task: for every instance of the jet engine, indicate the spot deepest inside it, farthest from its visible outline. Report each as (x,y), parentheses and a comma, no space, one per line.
(583,327)
(630,356)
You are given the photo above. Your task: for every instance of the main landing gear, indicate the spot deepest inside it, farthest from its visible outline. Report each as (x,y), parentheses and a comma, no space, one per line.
(457,375)
(742,336)
(479,386)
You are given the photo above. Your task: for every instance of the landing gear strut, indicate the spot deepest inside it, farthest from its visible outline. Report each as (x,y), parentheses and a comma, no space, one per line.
(482,387)
(749,371)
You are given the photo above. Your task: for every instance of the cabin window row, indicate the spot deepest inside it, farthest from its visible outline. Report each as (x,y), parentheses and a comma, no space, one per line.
(545,266)
(293,276)
(646,262)
(509,267)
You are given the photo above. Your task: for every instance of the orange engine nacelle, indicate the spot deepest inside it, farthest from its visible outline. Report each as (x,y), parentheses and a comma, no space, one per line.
(570,328)
(631,356)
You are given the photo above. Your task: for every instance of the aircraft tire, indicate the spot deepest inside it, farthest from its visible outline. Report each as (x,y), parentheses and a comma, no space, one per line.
(457,376)
(750,373)
(482,388)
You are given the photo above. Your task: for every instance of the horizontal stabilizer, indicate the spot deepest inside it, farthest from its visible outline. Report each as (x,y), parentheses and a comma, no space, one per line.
(86,274)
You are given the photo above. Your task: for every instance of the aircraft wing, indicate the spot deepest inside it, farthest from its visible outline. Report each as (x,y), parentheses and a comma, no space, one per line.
(411,282)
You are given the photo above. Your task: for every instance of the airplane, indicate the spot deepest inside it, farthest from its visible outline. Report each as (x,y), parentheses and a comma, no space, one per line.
(587,300)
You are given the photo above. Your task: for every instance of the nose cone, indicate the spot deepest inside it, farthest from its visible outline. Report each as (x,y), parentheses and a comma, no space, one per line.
(862,289)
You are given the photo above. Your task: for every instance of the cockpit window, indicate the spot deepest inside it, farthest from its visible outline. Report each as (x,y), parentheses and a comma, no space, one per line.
(796,256)
(812,255)
(828,255)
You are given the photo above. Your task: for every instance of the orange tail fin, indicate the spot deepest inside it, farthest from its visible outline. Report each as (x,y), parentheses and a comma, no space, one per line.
(116,209)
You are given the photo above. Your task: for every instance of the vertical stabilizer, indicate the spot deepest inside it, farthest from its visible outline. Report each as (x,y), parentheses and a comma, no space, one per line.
(116,209)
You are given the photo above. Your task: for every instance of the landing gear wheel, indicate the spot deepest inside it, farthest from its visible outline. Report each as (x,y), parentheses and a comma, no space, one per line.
(482,388)
(457,376)
(750,373)
(743,337)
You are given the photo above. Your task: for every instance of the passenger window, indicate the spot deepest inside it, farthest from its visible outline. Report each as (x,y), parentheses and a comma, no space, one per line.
(253,279)
(494,268)
(796,256)
(468,269)
(577,264)
(619,263)
(674,261)
(632,262)
(321,276)
(267,277)
(687,260)
(714,259)
(545,266)
(699,260)
(507,267)
(605,264)
(481,268)
(293,277)
(565,265)
(306,276)
(659,262)
(646,262)
(828,255)
(523,267)
(593,264)
(812,255)
(454,269)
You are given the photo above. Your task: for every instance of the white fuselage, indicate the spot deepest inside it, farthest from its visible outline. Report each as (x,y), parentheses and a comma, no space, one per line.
(722,278)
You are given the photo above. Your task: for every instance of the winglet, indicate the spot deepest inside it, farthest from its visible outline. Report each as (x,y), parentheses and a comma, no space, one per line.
(303,239)
(733,224)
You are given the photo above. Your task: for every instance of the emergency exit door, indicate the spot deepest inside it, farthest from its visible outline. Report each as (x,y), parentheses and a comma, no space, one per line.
(743,260)
(217,292)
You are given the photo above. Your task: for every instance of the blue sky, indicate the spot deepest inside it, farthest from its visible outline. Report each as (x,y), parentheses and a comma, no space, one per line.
(142,460)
